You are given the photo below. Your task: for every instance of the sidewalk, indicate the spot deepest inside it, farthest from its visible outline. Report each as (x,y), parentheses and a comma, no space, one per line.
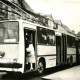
(68,74)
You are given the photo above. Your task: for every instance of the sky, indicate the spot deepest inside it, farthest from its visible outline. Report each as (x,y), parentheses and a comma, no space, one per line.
(68,11)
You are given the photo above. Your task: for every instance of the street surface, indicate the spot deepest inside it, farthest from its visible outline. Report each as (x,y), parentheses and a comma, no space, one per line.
(68,74)
(56,73)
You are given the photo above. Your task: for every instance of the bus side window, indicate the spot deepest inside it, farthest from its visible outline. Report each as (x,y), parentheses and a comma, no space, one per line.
(50,37)
(42,35)
(71,41)
(45,36)
(1,34)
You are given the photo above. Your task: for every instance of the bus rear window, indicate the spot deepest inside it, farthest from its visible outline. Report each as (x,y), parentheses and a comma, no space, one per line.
(9,32)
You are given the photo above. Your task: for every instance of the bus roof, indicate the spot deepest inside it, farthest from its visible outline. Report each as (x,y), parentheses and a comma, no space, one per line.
(25,21)
(38,25)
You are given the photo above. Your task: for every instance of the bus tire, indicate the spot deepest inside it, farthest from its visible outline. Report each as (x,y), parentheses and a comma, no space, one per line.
(71,60)
(40,67)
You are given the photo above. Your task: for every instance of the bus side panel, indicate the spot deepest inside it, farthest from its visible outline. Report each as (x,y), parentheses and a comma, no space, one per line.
(71,51)
(79,51)
(48,53)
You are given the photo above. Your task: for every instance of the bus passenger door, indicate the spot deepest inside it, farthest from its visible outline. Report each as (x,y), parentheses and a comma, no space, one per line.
(29,35)
(58,49)
(64,48)
(78,51)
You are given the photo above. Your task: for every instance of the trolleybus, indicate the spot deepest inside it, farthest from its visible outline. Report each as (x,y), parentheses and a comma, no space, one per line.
(52,48)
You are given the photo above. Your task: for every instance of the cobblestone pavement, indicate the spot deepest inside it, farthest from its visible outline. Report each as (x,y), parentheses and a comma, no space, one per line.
(68,74)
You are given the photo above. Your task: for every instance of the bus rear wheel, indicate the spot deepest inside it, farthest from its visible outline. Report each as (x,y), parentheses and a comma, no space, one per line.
(40,67)
(71,60)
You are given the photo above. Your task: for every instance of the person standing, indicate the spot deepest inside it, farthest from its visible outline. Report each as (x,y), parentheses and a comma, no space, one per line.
(31,54)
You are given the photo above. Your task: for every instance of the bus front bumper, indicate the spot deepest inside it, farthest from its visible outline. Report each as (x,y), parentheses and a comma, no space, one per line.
(10,65)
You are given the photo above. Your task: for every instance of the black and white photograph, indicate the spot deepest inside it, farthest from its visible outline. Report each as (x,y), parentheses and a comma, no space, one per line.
(39,39)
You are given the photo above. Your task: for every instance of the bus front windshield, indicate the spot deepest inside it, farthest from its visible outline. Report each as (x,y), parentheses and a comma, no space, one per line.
(9,32)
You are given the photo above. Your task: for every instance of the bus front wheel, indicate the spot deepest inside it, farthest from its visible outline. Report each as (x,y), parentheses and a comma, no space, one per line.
(40,67)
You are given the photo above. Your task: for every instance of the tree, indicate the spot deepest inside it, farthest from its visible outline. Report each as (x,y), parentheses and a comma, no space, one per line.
(78,34)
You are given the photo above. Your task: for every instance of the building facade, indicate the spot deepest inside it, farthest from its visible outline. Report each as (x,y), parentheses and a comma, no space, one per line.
(19,9)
